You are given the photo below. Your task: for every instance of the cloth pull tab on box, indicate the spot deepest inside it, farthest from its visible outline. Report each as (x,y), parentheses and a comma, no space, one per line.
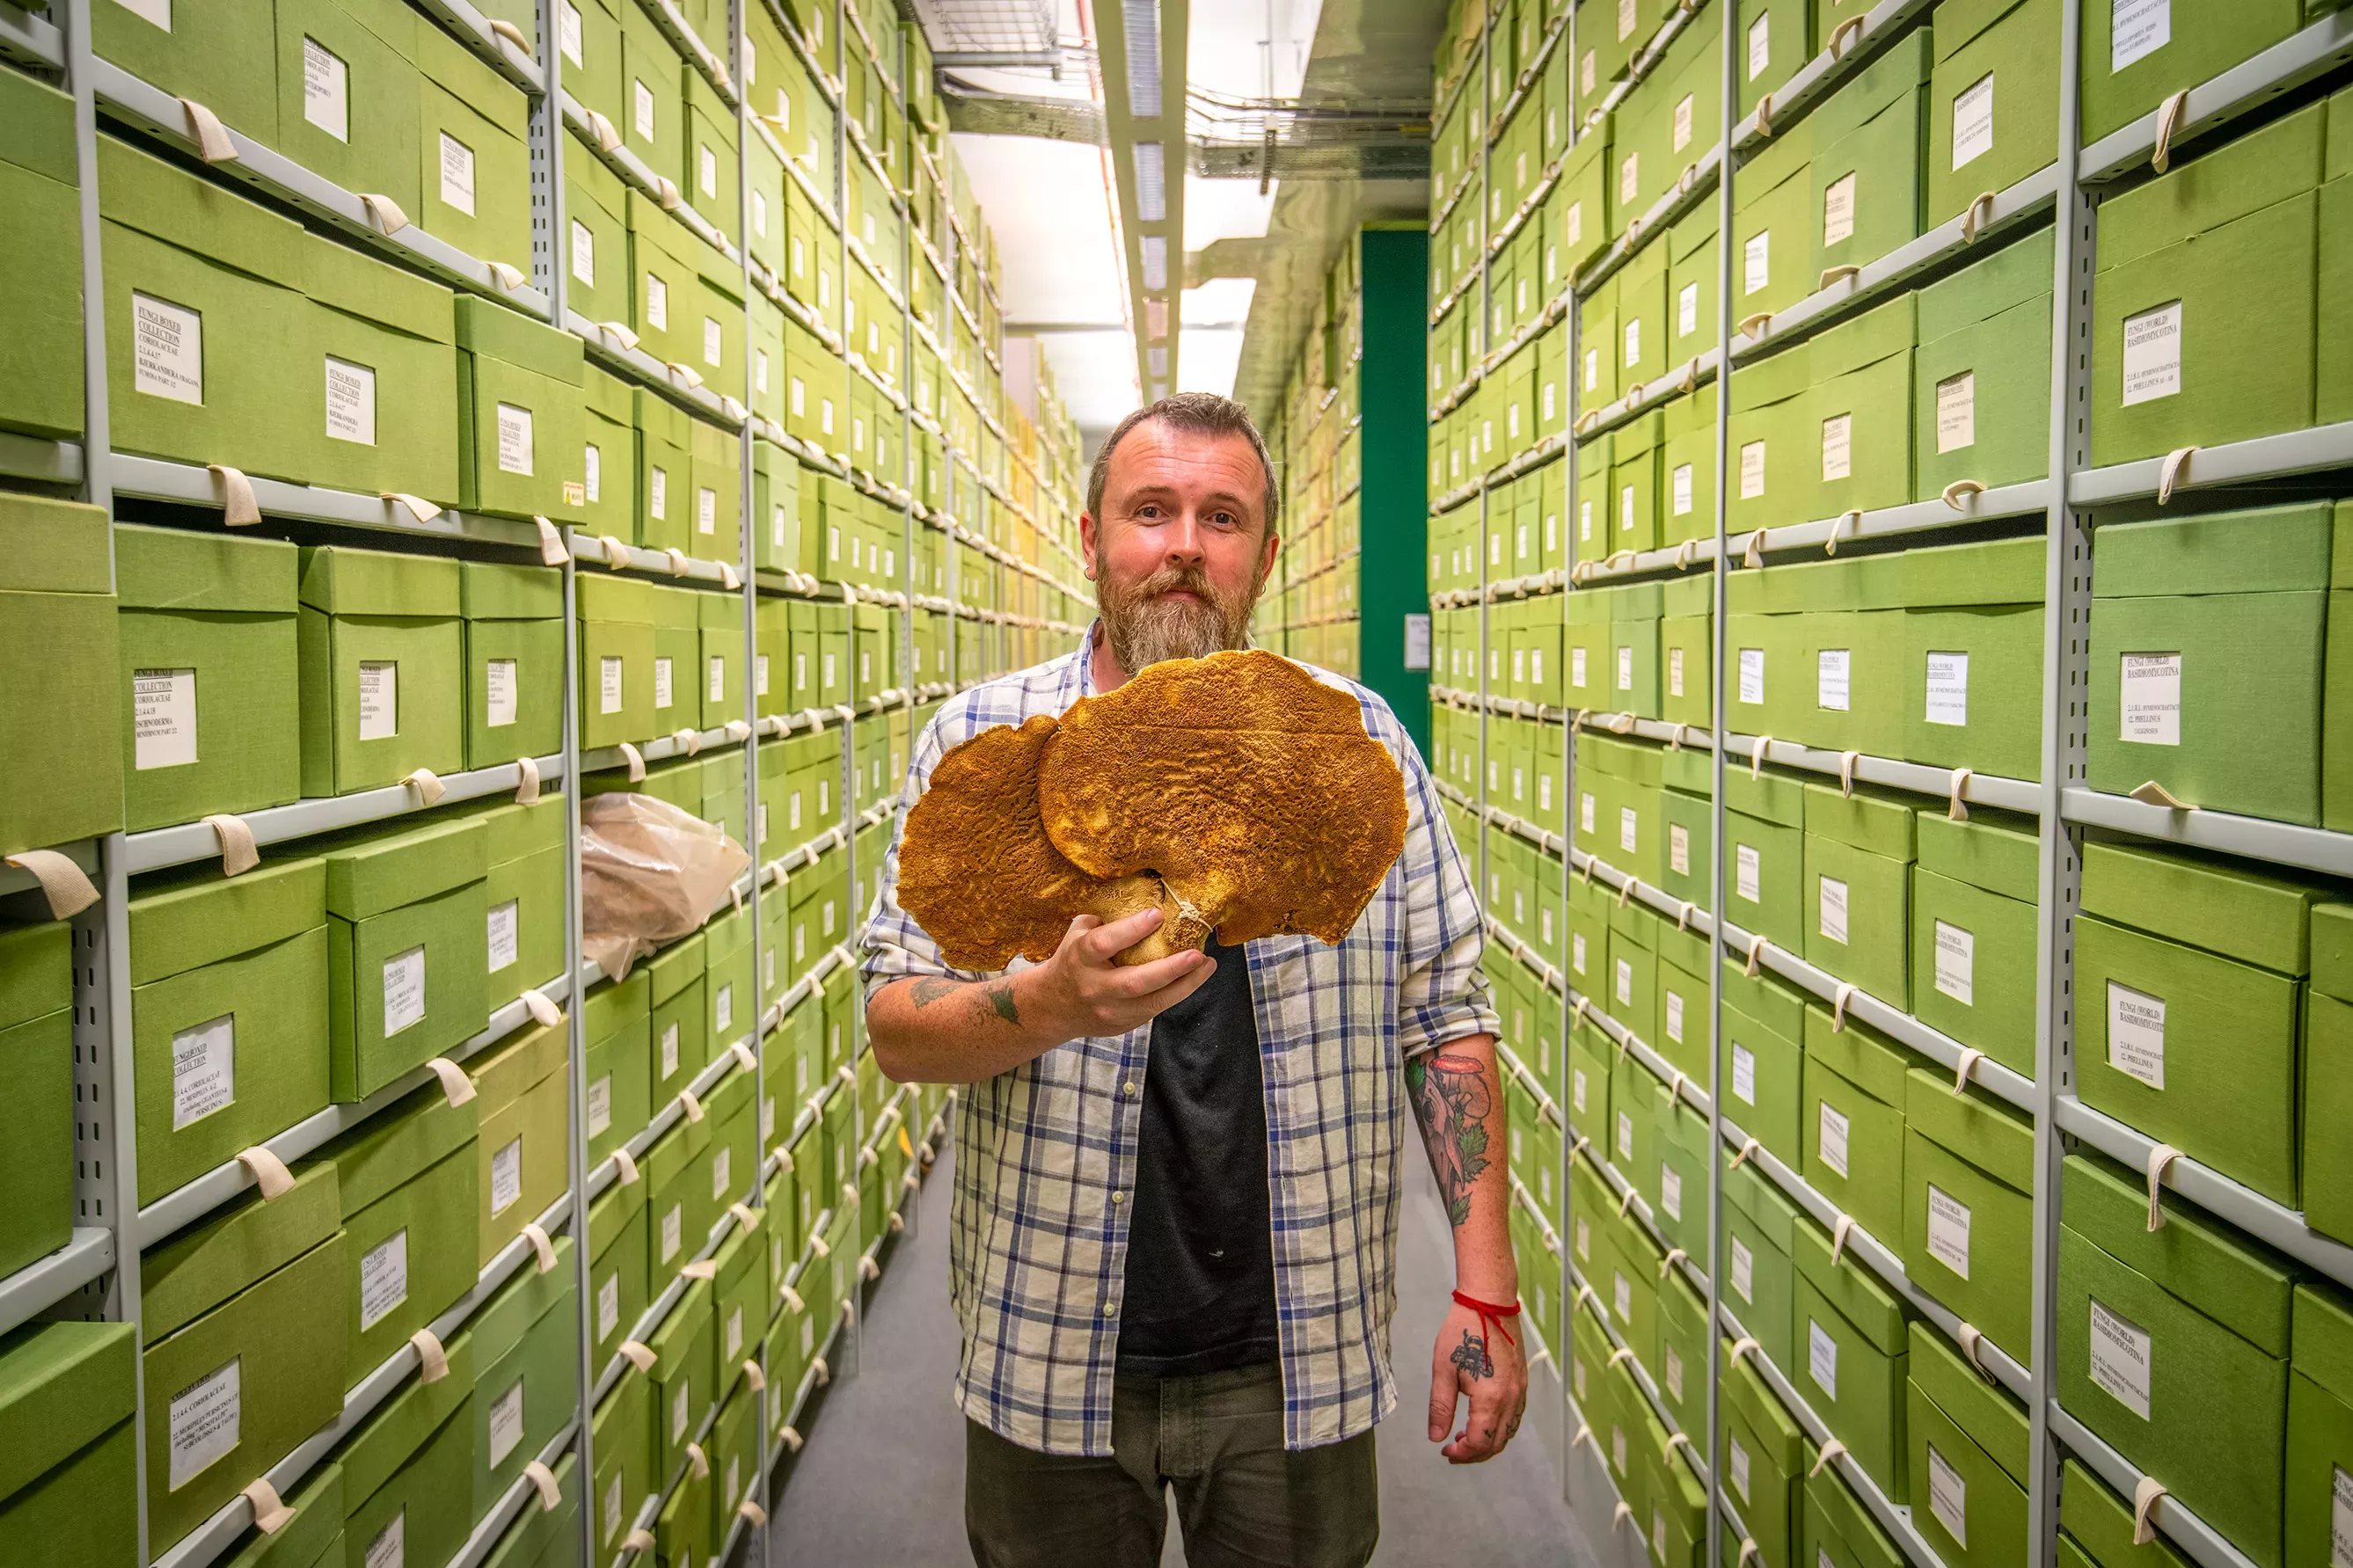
(1741,1347)
(428,785)
(699,1461)
(1667,1265)
(432,1361)
(2155,794)
(1957,807)
(1756,953)
(786,1435)
(638,1355)
(526,781)
(792,1299)
(689,741)
(238,509)
(746,1215)
(701,1268)
(514,35)
(455,1087)
(752,1513)
(625,1166)
(205,128)
(1972,1340)
(617,555)
(1837,1006)
(550,1494)
(607,136)
(640,1541)
(693,1106)
(1959,493)
(1749,1548)
(2171,474)
(537,1236)
(1838,1228)
(1971,1056)
(509,277)
(1979,214)
(2169,120)
(2160,1157)
(755,1378)
(2145,1495)
(64,884)
(271,1515)
(387,217)
(544,1013)
(268,1170)
(1747,1149)
(1834,1449)
(742,1051)
(551,543)
(637,761)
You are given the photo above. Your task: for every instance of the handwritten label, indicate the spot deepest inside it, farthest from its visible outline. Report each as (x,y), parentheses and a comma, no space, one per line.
(203,1423)
(203,1070)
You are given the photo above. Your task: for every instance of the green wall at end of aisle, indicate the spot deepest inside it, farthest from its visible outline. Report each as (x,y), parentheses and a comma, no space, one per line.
(1395,501)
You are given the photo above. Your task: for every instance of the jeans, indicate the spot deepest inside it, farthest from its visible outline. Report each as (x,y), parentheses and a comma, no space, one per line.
(1241,1497)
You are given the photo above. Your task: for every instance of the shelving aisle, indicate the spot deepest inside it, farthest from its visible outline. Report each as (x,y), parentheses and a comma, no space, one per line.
(404,351)
(1849,476)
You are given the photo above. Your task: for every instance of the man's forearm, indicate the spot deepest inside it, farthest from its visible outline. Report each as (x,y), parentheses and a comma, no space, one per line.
(1458,1097)
(930,1029)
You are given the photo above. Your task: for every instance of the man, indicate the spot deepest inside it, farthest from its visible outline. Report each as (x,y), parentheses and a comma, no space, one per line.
(1184,1277)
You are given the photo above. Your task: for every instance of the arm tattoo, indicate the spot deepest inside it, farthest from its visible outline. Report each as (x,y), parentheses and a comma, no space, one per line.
(1000,995)
(930,989)
(1450,1096)
(1472,1357)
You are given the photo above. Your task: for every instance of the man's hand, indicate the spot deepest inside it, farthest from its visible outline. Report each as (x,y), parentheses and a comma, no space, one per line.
(1082,990)
(1473,1363)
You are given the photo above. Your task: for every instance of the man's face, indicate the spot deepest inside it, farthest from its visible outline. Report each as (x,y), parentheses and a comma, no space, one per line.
(1182,548)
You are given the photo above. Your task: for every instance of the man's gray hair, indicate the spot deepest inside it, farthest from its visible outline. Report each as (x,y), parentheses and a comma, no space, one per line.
(1202,414)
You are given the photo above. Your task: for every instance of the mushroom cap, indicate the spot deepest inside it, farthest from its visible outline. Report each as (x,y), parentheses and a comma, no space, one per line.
(1249,787)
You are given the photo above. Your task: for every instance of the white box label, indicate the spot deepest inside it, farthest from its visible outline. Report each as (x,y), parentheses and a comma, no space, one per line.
(1629,828)
(1628,11)
(2150,689)
(1625,1136)
(1838,446)
(2153,355)
(1674,1017)
(503,935)
(404,991)
(567,30)
(1832,1142)
(672,1232)
(669,1050)
(642,108)
(2137,1034)
(514,439)
(2340,1519)
(706,170)
(1679,850)
(1948,1495)
(608,1306)
(384,1278)
(1831,684)
(1626,669)
(1752,675)
(680,1410)
(1576,946)
(1744,1074)
(1630,177)
(379,700)
(722,1165)
(723,1010)
(1671,1191)
(712,340)
(506,1424)
(1948,688)
(1744,876)
(706,511)
(665,683)
(1948,1231)
(1634,342)
(390,1547)
(1833,907)
(498,685)
(717,682)
(1760,46)
(1973,122)
(1821,1358)
(457,174)
(326,90)
(1752,470)
(1739,1457)
(657,303)
(1625,999)
(1674,672)
(600,1105)
(2120,1352)
(204,1422)
(1956,953)
(608,683)
(1681,490)
(1756,262)
(1684,122)
(1622,1297)
(1744,1270)
(1687,311)
(1674,1368)
(506,1175)
(592,461)
(1838,211)
(156,11)
(1576,668)
(167,355)
(1957,412)
(351,401)
(2138,29)
(760,674)
(163,718)
(203,1070)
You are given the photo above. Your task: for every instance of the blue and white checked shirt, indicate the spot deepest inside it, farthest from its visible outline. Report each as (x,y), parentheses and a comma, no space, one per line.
(1038,1246)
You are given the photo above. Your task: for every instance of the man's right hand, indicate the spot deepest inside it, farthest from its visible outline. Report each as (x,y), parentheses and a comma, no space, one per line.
(1082,990)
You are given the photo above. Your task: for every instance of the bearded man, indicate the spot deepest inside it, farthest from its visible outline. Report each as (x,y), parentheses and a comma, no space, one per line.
(1182,1278)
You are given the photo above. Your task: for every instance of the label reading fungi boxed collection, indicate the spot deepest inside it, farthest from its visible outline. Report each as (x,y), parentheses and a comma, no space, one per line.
(203,1070)
(2120,1351)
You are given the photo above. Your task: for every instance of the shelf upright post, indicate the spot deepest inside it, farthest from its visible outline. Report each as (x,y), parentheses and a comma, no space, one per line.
(1479,340)
(2066,603)
(1563,1293)
(855,1300)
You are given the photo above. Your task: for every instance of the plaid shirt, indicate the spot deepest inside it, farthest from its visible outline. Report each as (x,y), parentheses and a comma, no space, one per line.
(1038,1246)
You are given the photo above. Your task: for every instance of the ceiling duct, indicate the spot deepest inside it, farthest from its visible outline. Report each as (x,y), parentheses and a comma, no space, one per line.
(988,113)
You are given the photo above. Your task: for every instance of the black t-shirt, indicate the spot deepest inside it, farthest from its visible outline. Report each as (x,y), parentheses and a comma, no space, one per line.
(1199,1296)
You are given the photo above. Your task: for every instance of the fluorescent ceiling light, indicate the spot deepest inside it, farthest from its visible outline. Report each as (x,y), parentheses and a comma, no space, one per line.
(1151,186)
(1155,318)
(1141,21)
(1155,262)
(1159,358)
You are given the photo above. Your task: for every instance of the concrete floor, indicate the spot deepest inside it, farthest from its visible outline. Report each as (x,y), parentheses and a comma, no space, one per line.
(882,1481)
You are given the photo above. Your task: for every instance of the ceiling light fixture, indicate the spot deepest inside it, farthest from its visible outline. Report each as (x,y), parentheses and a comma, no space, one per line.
(1142,25)
(1155,262)
(1151,186)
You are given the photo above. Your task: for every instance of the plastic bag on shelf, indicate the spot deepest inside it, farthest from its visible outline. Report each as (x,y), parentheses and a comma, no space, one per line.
(650,874)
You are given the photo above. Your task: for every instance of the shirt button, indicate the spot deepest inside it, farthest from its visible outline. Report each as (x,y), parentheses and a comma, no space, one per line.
(1119,1198)
(1110,1309)
(1127,1089)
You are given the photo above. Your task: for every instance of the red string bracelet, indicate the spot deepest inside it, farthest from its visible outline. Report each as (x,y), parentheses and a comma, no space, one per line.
(1489,1314)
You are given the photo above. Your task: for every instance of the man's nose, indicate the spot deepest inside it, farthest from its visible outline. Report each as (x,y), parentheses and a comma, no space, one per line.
(1183,540)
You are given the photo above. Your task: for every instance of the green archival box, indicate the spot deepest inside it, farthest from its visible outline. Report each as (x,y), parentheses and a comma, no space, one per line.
(238,1363)
(1992,318)
(1967,1442)
(1858,888)
(1850,1341)
(1853,1121)
(346,75)
(1973,657)
(2319,1421)
(210,663)
(41,388)
(1759,1241)
(2133,64)
(624,1438)
(2326,1176)
(1765,829)
(2173,1346)
(37,1158)
(526,1372)
(404,924)
(520,423)
(526,1114)
(1993,100)
(59,640)
(407,1471)
(229,1013)
(616,1025)
(617,1267)
(1840,1531)
(1974,888)
(67,1392)
(522,895)
(387,367)
(1968,1210)
(473,152)
(1860,410)
(382,648)
(616,660)
(1764,1460)
(515,661)
(1764,1052)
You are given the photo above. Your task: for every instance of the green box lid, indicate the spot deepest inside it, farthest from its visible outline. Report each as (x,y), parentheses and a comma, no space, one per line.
(440,59)
(1962,22)
(1747,1190)
(610,1214)
(36,128)
(1768,794)
(35,970)
(396,1144)
(605,395)
(1772,378)
(371,872)
(674,609)
(688,1319)
(1845,1514)
(1764,999)
(2100,1524)
(404,1423)
(676,967)
(517,831)
(1788,154)
(719,611)
(62,1385)
(1879,821)
(1688,770)
(189,1275)
(529,1295)
(2332,949)
(657,417)
(615,1004)
(617,599)
(2210,901)
(315,1533)
(505,1075)
(183,570)
(52,546)
(1876,1313)
(184,919)
(1902,70)
(2233,1280)
(2239,176)
(2268,550)
(1768,1420)
(1692,415)
(143,193)
(2001,571)
(343,581)
(1972,1125)
(1865,338)
(1691,232)
(2323,1339)
(486,328)
(1985,288)
(1593,145)
(1859,1053)
(359,285)
(1993,1420)
(1994,849)
(496,590)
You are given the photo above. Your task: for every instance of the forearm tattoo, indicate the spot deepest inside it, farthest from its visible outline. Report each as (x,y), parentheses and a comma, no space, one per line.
(1451,1100)
(931,988)
(1471,1356)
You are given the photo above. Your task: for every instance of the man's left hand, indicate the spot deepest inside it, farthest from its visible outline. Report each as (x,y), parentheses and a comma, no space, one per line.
(1474,1362)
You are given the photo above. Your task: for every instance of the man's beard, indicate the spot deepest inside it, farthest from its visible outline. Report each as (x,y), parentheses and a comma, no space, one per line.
(1145,626)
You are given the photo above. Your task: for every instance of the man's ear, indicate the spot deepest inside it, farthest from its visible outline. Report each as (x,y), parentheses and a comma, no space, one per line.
(1087,543)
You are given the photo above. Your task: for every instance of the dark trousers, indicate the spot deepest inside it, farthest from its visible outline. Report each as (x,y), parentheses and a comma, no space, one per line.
(1241,1497)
